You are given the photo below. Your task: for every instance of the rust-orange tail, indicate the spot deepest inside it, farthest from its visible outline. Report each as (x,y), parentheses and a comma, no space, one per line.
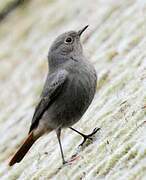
(18,156)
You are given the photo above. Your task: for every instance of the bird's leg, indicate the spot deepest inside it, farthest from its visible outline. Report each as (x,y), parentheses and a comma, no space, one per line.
(89,136)
(58,132)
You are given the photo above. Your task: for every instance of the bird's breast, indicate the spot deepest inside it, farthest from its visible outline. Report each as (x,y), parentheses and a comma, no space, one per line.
(75,97)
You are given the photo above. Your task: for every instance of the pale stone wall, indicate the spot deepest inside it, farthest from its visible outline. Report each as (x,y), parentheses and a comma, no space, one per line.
(116,44)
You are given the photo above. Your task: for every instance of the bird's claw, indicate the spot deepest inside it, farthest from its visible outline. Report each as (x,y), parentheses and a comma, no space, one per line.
(89,136)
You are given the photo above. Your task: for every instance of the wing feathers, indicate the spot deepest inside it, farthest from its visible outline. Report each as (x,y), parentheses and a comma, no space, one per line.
(52,88)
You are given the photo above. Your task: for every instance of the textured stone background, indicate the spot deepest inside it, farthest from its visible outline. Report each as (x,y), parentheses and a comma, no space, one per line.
(116,45)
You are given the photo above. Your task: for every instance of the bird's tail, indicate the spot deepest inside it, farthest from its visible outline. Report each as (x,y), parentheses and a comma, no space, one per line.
(19,155)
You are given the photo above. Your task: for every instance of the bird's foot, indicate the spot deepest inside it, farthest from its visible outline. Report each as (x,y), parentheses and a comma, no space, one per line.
(70,162)
(65,162)
(89,136)
(73,159)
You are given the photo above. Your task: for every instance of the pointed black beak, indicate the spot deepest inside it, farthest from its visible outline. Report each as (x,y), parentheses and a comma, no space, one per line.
(82,30)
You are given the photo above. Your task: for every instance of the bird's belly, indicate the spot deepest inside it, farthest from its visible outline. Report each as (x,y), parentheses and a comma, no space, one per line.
(71,105)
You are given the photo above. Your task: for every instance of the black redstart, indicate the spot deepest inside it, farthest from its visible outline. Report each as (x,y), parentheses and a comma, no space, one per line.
(67,93)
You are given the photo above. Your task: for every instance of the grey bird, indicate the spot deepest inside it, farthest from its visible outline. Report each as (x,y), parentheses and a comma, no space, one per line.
(68,91)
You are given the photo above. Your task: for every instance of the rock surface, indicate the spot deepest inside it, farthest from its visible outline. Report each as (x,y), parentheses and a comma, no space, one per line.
(116,45)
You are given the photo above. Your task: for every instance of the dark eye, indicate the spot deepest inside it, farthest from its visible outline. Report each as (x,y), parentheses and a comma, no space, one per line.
(69,40)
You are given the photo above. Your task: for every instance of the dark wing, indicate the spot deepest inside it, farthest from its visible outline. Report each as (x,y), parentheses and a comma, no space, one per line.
(52,88)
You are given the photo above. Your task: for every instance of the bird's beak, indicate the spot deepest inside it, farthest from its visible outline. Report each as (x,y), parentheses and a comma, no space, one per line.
(82,30)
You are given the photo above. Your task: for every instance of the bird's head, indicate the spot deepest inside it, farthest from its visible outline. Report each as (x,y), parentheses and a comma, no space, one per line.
(66,45)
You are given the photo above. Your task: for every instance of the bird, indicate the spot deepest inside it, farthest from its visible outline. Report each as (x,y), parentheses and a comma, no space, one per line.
(68,91)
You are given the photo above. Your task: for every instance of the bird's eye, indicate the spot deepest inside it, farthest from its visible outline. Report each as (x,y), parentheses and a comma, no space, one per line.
(69,40)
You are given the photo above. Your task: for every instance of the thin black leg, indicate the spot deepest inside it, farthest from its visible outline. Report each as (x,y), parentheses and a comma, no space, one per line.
(58,132)
(89,136)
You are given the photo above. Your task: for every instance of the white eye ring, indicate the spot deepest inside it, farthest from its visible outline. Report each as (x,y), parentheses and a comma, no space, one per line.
(69,40)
